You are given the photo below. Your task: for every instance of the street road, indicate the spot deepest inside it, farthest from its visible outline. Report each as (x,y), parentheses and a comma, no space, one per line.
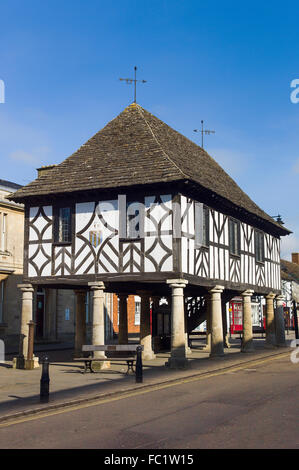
(255,407)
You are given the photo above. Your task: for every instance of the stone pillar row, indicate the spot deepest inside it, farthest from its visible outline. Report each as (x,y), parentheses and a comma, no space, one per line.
(275,331)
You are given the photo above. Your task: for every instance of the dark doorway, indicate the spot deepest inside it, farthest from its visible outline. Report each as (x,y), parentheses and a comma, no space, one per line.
(40,310)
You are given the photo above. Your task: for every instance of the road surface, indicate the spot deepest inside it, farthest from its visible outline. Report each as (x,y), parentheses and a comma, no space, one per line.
(255,407)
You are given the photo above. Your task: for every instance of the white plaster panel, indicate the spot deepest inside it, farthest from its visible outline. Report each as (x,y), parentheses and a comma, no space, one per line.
(84,211)
(32,235)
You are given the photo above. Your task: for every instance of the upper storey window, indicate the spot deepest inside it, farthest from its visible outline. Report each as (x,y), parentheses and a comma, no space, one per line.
(201,225)
(259,246)
(234,237)
(63,222)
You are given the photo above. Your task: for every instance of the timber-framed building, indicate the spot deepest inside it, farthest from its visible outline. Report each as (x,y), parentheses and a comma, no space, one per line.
(140,209)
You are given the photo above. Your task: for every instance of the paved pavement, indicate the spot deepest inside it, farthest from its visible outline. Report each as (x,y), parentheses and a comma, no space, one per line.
(19,389)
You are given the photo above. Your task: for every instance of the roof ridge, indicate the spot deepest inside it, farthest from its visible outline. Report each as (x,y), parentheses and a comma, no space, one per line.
(160,145)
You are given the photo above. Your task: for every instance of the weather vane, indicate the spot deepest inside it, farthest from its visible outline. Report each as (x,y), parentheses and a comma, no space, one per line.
(278,219)
(203,131)
(129,81)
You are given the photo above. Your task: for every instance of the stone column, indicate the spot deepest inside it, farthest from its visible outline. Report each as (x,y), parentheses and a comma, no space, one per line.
(178,340)
(98,321)
(145,327)
(80,332)
(123,319)
(207,347)
(188,349)
(270,322)
(279,322)
(216,322)
(26,316)
(224,324)
(247,337)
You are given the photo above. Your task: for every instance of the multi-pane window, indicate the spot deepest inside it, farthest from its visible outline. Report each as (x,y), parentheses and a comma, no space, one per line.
(137,310)
(63,232)
(259,246)
(3,231)
(201,225)
(234,237)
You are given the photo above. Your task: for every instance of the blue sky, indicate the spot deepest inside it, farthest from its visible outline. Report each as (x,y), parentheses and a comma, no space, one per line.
(228,63)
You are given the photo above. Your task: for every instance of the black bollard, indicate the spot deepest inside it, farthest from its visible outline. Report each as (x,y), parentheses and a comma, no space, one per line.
(295,319)
(139,377)
(44,381)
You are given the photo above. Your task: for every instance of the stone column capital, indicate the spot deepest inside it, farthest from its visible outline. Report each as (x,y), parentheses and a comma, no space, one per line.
(177,282)
(98,285)
(216,290)
(26,287)
(270,296)
(247,293)
(280,298)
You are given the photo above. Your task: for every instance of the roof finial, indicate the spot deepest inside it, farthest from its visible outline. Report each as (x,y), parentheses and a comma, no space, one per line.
(129,81)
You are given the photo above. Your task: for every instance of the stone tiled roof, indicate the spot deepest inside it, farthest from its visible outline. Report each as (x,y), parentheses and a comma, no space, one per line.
(289,271)
(137,148)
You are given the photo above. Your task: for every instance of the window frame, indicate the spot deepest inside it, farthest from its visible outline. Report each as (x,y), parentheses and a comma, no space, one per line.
(201,236)
(258,236)
(137,310)
(237,241)
(56,214)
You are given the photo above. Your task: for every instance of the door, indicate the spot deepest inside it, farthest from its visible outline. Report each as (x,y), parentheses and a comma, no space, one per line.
(40,310)
(236,317)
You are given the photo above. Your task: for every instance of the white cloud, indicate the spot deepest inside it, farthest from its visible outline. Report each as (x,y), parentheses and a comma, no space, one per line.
(32,158)
(24,157)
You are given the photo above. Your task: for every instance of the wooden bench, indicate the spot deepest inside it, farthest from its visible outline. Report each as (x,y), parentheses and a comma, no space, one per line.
(128,356)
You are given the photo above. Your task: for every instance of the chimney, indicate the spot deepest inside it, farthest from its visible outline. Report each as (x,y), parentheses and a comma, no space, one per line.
(295,258)
(43,170)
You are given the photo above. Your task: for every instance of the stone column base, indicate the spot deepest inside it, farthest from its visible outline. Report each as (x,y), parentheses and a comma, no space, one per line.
(215,355)
(281,345)
(248,350)
(270,342)
(270,346)
(177,363)
(148,356)
(100,365)
(20,362)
